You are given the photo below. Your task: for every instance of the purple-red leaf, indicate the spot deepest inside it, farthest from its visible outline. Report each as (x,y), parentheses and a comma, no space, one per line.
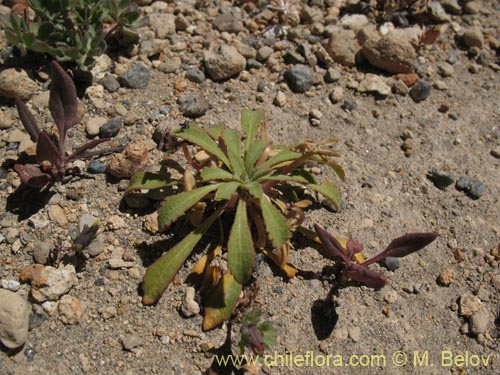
(63,102)
(79,152)
(47,150)
(353,247)
(404,245)
(31,175)
(27,119)
(364,275)
(331,245)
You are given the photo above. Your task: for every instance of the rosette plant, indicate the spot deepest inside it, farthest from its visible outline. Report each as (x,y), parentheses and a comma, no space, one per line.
(254,191)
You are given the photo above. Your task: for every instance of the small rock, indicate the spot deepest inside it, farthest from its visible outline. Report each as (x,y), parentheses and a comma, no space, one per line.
(170,65)
(472,187)
(344,48)
(263,53)
(228,22)
(116,260)
(399,87)
(440,178)
(193,105)
(280,99)
(162,24)
(440,85)
(115,222)
(300,78)
(49,283)
(336,95)
(94,124)
(472,7)
(135,78)
(473,37)
(420,91)
(16,82)
(223,61)
(110,83)
(108,312)
(70,310)
(447,276)
(195,75)
(111,128)
(41,252)
(50,307)
(469,304)
(189,305)
(12,285)
(341,333)
(446,70)
(392,263)
(6,120)
(332,75)
(355,333)
(495,152)
(132,160)
(390,53)
(437,12)
(349,105)
(479,322)
(96,167)
(409,79)
(253,64)
(56,213)
(151,223)
(391,297)
(354,21)
(130,341)
(14,319)
(452,7)
(374,83)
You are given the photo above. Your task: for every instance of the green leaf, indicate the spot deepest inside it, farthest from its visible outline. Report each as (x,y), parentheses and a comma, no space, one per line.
(275,223)
(221,302)
(330,192)
(197,136)
(216,131)
(215,173)
(233,143)
(148,181)
(255,189)
(240,245)
(176,205)
(281,157)
(253,153)
(250,121)
(284,178)
(226,190)
(161,273)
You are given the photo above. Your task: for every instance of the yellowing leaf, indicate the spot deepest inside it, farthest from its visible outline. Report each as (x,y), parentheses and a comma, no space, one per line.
(330,192)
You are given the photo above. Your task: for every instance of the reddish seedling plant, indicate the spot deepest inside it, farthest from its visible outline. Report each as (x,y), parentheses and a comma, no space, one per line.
(398,248)
(51,148)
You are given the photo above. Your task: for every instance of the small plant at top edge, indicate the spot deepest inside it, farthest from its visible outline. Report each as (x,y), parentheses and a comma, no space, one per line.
(50,148)
(356,267)
(255,192)
(255,335)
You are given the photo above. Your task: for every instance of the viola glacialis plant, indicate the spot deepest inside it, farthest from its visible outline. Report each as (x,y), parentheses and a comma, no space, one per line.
(254,191)
(356,268)
(51,148)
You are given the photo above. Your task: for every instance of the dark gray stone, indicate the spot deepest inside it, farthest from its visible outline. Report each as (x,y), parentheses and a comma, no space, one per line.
(420,91)
(392,263)
(253,64)
(110,83)
(96,167)
(440,179)
(136,77)
(195,75)
(349,105)
(111,128)
(193,105)
(300,78)
(474,188)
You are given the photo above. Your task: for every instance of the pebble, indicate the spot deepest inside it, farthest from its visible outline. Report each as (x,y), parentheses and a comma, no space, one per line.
(223,61)
(111,128)
(420,91)
(5,120)
(472,7)
(132,160)
(12,285)
(49,283)
(344,48)
(41,252)
(70,310)
(354,333)
(136,77)
(446,70)
(280,99)
(392,263)
(195,75)
(469,304)
(170,65)
(110,83)
(452,7)
(96,167)
(50,307)
(253,64)
(341,333)
(116,260)
(228,22)
(447,276)
(130,341)
(440,178)
(479,322)
(375,84)
(94,124)
(300,78)
(162,24)
(473,37)
(332,75)
(495,152)
(193,105)
(391,297)
(14,319)
(263,53)
(336,95)
(474,188)
(349,105)
(390,53)
(189,305)
(56,213)
(17,82)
